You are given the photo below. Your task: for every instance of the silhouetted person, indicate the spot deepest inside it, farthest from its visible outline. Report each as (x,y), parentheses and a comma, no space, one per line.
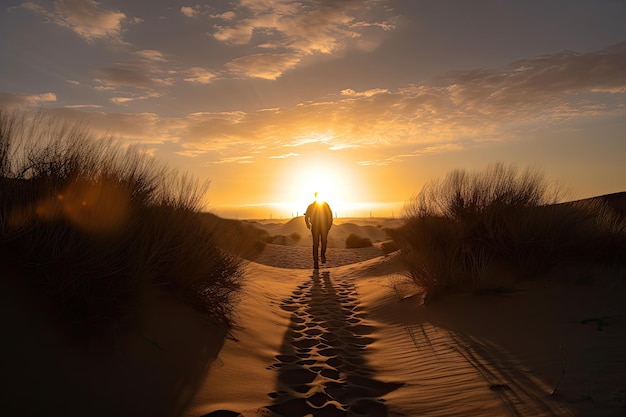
(319,218)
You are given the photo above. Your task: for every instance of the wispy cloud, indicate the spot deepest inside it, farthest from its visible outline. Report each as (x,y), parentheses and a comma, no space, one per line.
(439,148)
(83,106)
(368,93)
(128,75)
(284,156)
(294,29)
(342,146)
(188,11)
(134,80)
(11,100)
(445,115)
(121,100)
(199,76)
(247,159)
(151,55)
(85,17)
(198,11)
(267,66)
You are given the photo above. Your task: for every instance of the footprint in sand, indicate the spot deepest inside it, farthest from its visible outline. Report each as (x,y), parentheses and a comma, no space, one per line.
(322,371)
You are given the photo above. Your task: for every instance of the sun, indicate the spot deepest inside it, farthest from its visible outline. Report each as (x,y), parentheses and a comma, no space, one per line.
(330,179)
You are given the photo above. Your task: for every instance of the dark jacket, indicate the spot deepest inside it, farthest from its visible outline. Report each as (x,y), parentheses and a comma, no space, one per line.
(318,217)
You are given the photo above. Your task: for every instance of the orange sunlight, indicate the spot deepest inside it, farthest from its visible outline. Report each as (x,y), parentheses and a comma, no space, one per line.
(331,179)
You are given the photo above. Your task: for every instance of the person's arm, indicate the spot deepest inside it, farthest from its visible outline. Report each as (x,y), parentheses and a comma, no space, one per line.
(307,217)
(329,213)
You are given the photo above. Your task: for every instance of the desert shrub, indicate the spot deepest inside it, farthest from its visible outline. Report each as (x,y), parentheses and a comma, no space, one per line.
(356,241)
(91,224)
(236,237)
(295,236)
(459,226)
(389,247)
(276,239)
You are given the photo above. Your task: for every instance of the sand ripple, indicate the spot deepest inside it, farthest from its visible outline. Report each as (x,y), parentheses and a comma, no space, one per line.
(322,370)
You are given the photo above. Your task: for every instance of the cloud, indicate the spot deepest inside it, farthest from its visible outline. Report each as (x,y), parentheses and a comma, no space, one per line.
(127,75)
(433,149)
(247,159)
(188,11)
(294,29)
(442,115)
(124,100)
(199,76)
(367,93)
(191,153)
(541,81)
(12,100)
(284,156)
(342,146)
(133,80)
(121,100)
(145,128)
(151,55)
(83,106)
(198,10)
(265,66)
(224,16)
(437,116)
(84,17)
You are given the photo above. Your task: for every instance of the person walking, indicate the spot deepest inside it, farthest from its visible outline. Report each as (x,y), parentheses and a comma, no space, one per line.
(319,218)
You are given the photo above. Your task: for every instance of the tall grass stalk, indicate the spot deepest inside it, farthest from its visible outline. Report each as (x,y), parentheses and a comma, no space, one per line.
(91,223)
(457,229)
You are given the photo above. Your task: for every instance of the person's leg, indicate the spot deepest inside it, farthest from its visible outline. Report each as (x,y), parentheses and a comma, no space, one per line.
(324,237)
(316,242)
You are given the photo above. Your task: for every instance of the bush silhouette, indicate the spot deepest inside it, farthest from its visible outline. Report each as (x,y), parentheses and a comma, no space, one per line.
(355,241)
(456,228)
(91,224)
(389,247)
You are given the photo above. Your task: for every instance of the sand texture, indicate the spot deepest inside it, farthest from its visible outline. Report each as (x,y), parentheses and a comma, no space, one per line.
(353,339)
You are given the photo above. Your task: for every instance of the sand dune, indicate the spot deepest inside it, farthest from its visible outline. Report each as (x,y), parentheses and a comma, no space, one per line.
(353,339)
(373,229)
(350,339)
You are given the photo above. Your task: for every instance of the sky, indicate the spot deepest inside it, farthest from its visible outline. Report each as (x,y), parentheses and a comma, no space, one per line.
(363,101)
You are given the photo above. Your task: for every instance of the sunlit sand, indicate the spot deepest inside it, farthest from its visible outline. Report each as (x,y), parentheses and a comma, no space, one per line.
(355,339)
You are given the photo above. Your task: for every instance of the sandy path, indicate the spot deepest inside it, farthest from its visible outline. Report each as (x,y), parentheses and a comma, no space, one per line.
(322,366)
(341,342)
(301,257)
(303,349)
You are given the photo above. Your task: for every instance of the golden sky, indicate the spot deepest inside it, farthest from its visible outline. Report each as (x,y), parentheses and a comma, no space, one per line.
(363,101)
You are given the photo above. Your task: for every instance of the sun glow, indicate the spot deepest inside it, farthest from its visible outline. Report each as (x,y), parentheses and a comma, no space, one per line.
(331,180)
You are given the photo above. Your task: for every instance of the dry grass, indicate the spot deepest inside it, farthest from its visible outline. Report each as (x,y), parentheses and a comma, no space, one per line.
(355,241)
(90,223)
(458,228)
(236,237)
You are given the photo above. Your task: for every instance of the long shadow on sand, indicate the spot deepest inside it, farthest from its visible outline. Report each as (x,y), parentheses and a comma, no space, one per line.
(322,369)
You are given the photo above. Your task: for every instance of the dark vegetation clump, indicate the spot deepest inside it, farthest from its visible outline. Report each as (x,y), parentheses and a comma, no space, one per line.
(275,239)
(389,246)
(237,237)
(458,228)
(281,239)
(88,225)
(355,241)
